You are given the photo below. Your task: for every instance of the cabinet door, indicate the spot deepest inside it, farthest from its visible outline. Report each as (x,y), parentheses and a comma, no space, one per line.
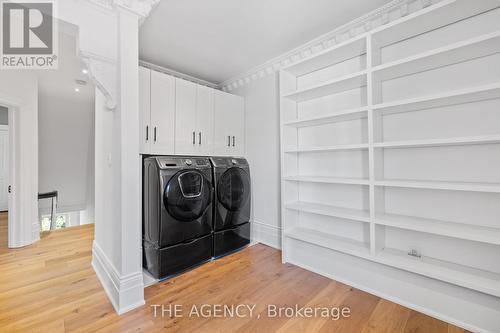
(185,118)
(144,110)
(204,120)
(162,113)
(237,126)
(222,123)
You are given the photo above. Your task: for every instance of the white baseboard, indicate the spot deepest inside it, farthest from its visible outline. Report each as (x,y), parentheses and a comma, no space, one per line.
(125,292)
(35,230)
(266,234)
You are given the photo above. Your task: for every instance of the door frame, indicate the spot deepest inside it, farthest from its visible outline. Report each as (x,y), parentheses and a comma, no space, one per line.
(6,128)
(14,230)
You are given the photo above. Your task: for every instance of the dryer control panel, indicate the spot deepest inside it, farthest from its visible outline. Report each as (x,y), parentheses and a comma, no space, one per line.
(177,162)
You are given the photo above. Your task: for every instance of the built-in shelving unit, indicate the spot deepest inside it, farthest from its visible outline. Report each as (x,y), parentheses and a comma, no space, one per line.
(346,137)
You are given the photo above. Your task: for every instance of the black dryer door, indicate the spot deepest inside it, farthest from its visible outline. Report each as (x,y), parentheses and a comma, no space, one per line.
(233,190)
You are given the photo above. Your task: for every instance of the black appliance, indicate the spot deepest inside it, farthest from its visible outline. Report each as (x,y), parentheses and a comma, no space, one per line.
(177,214)
(231,204)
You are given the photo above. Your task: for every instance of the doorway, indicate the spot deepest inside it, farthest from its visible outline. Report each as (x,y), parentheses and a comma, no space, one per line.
(4,175)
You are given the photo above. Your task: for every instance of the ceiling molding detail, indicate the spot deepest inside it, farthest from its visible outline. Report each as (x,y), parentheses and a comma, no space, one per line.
(177,74)
(381,16)
(140,7)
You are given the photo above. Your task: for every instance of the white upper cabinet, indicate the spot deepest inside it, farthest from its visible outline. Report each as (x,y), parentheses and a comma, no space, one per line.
(157,112)
(184,118)
(144,110)
(237,126)
(162,130)
(204,119)
(229,139)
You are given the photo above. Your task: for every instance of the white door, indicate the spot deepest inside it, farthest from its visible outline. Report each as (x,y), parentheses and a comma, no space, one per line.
(162,132)
(204,119)
(185,118)
(222,123)
(4,167)
(145,110)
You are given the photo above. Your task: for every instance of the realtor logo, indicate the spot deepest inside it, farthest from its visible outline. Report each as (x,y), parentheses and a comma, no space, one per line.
(28,35)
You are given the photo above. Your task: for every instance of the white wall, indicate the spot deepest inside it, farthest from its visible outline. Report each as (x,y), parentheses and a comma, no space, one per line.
(66,150)
(262,152)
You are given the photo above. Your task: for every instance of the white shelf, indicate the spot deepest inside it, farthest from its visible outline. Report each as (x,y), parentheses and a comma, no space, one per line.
(346,115)
(329,241)
(334,55)
(359,146)
(451,229)
(327,180)
(469,95)
(481,46)
(435,16)
(441,185)
(337,85)
(468,277)
(328,210)
(461,141)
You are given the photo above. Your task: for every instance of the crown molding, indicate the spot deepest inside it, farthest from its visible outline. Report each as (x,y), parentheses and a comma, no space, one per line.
(177,74)
(141,8)
(380,16)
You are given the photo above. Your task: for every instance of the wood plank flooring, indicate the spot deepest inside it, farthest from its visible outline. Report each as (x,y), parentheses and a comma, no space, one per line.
(3,230)
(51,287)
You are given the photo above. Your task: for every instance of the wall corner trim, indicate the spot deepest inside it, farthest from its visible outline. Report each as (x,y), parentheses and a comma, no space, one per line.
(266,234)
(125,292)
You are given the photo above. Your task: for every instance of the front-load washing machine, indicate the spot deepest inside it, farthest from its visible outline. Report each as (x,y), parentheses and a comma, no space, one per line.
(177,214)
(231,204)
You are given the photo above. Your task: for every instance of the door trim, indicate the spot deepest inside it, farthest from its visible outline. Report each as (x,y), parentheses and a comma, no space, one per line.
(18,234)
(7,180)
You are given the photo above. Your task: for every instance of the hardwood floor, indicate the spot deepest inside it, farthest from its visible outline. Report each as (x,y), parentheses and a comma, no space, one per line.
(51,287)
(3,230)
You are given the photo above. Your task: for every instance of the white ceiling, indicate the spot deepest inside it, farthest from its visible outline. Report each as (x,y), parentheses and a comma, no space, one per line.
(60,83)
(215,40)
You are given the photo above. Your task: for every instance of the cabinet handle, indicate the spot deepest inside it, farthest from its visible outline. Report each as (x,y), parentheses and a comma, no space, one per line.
(234,140)
(147,133)
(194,137)
(229,141)
(155,130)
(199,138)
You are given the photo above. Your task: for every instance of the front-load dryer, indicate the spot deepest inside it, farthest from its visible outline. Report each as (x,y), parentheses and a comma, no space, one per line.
(231,204)
(177,214)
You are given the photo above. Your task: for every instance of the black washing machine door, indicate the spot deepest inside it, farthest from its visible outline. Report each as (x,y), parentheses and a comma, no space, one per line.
(187,199)
(233,194)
